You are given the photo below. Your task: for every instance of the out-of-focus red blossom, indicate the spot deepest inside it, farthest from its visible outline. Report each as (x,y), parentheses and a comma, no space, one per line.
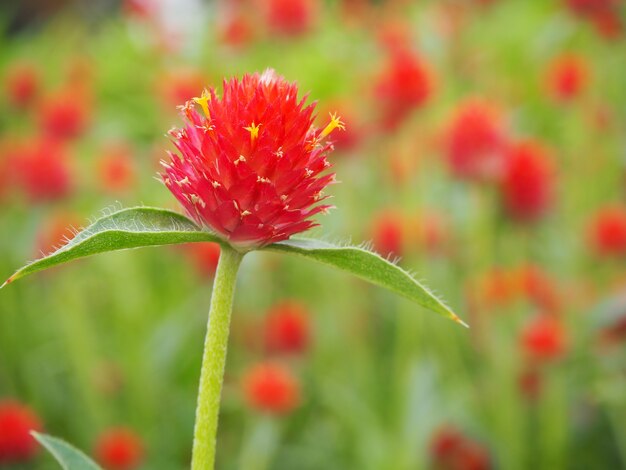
(604,14)
(272,388)
(614,333)
(56,231)
(450,449)
(64,115)
(530,383)
(289,17)
(251,168)
(544,338)
(405,84)
(474,141)
(21,84)
(16,423)
(567,77)
(119,449)
(607,231)
(237,28)
(540,287)
(139,9)
(287,328)
(116,169)
(42,170)
(204,256)
(388,233)
(528,182)
(179,87)
(431,232)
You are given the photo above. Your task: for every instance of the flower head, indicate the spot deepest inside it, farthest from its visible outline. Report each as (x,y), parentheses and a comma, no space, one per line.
(272,388)
(250,164)
(119,449)
(22,84)
(527,186)
(64,115)
(607,232)
(475,141)
(567,77)
(289,17)
(543,338)
(287,328)
(116,168)
(16,423)
(388,233)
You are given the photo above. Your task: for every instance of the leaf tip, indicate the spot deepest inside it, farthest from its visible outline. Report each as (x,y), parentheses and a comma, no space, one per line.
(7,282)
(458,320)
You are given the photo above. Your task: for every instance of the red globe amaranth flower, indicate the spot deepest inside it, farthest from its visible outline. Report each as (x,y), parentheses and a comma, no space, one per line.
(116,169)
(289,17)
(388,234)
(204,256)
(609,24)
(251,168)
(450,449)
(475,140)
(237,29)
(42,170)
(528,181)
(21,84)
(567,77)
(607,231)
(604,14)
(539,287)
(544,338)
(16,423)
(404,85)
(272,388)
(63,115)
(287,328)
(119,449)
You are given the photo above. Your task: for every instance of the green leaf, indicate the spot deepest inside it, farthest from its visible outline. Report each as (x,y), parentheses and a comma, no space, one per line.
(366,265)
(68,456)
(127,228)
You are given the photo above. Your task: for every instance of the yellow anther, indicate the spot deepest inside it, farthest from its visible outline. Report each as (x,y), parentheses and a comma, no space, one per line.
(203,101)
(253,130)
(335,122)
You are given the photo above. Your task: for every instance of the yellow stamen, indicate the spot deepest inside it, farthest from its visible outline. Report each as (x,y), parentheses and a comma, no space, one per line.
(253,130)
(203,101)
(335,122)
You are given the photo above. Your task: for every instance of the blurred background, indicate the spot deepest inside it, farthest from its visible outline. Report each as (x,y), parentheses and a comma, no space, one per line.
(485,147)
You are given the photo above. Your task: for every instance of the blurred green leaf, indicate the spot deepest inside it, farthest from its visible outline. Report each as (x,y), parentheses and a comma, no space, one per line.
(68,456)
(369,266)
(127,228)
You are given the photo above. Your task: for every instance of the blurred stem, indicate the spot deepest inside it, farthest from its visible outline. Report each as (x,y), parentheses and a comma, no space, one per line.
(214,360)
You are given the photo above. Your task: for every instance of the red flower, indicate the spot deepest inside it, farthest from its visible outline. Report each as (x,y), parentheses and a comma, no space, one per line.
(119,449)
(451,450)
(250,168)
(607,231)
(527,186)
(543,338)
(388,232)
(237,29)
(567,78)
(287,328)
(116,169)
(604,14)
(530,383)
(22,84)
(289,17)
(42,170)
(272,388)
(591,7)
(16,423)
(405,85)
(63,115)
(205,256)
(475,141)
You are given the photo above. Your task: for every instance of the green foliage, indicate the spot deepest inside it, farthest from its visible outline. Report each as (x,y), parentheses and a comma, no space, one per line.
(68,456)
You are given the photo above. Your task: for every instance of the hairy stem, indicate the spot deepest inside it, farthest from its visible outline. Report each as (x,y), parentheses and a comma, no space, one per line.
(214,360)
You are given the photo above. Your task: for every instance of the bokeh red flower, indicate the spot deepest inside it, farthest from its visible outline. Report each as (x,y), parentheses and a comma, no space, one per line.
(607,231)
(119,449)
(451,449)
(21,84)
(272,388)
(474,141)
(544,338)
(204,256)
(287,328)
(116,168)
(289,17)
(527,187)
(388,233)
(567,77)
(64,114)
(251,168)
(16,423)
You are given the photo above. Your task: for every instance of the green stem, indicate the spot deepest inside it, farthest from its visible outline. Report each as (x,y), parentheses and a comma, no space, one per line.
(214,360)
